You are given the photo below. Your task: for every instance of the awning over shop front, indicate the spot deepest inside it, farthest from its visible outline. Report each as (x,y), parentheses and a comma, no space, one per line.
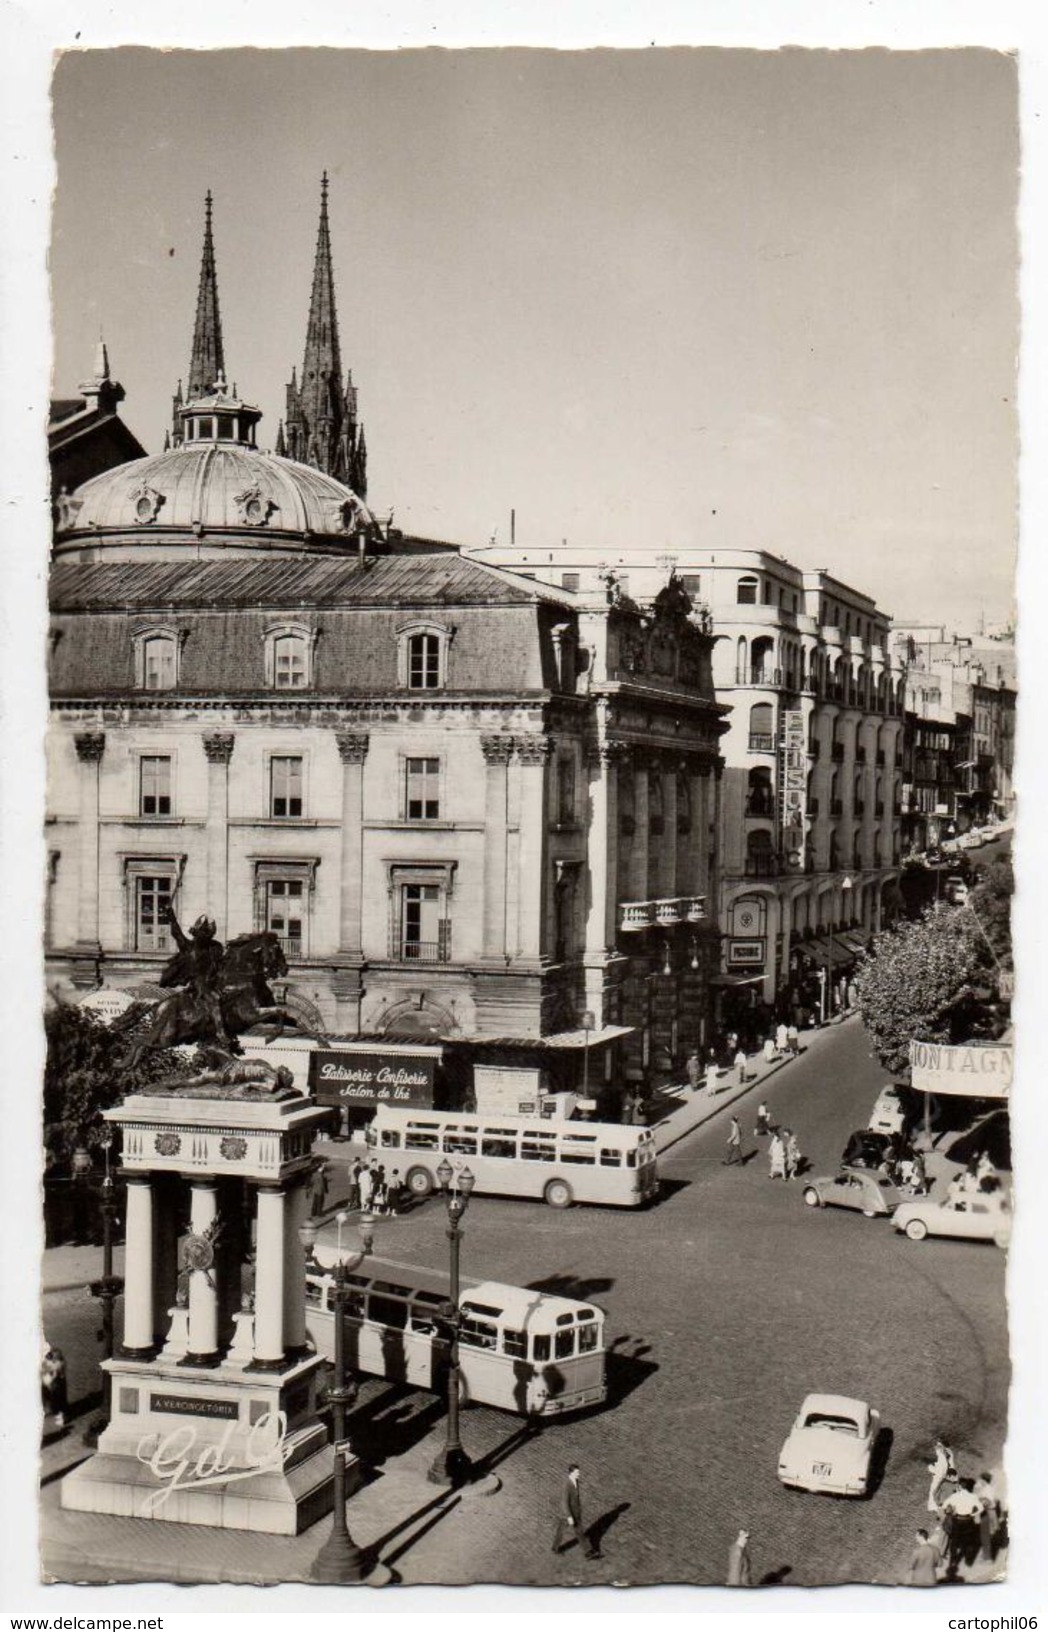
(824,951)
(735,980)
(577,1038)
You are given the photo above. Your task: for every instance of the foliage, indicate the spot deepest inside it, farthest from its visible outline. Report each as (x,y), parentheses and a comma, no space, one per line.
(87,1071)
(992,903)
(935,979)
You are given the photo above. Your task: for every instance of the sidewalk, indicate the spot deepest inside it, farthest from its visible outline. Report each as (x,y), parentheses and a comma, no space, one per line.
(68,1269)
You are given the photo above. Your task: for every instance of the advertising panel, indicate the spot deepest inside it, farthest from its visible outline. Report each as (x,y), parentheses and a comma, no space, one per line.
(794,788)
(979,1070)
(344,1077)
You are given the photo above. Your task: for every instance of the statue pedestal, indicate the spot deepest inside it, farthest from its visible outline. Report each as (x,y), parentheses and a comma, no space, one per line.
(213,1431)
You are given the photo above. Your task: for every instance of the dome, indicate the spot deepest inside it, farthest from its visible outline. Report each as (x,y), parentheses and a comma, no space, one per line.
(219,487)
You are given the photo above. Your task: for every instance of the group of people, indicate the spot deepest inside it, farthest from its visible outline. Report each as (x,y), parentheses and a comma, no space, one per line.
(371,1190)
(980,1177)
(968,1522)
(785,1160)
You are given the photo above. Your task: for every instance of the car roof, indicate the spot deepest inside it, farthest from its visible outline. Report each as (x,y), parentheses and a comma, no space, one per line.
(833,1405)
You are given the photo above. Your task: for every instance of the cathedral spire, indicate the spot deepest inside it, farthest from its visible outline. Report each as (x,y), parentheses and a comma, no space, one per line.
(208,363)
(320,420)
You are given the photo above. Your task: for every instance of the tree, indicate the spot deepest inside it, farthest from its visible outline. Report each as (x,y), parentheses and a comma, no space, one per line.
(934,979)
(87,1072)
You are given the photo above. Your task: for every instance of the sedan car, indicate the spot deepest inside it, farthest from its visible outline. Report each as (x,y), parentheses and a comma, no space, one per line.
(830,1446)
(855,1187)
(977,1217)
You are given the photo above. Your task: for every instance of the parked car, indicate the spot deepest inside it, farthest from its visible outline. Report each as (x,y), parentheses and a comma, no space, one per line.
(890,1114)
(955,890)
(855,1187)
(830,1446)
(869,1149)
(977,1217)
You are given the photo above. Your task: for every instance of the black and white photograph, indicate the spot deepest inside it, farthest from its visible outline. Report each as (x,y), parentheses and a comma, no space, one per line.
(524,958)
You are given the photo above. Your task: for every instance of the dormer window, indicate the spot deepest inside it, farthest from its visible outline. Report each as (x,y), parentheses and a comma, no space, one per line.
(422,657)
(156,660)
(289,658)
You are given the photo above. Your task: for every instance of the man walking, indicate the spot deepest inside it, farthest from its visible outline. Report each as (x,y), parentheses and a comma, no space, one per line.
(740,1569)
(924,1565)
(734,1156)
(569,1520)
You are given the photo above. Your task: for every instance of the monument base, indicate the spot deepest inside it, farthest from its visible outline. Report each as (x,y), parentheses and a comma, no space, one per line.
(234,1449)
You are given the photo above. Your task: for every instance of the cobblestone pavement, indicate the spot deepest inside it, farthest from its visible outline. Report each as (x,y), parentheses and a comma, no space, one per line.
(726,1303)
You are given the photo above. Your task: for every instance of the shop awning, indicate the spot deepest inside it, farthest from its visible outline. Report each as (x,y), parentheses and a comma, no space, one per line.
(597,1038)
(735,980)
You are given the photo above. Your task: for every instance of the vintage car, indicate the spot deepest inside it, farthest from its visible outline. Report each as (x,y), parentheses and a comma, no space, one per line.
(856,1187)
(869,1148)
(830,1446)
(976,1217)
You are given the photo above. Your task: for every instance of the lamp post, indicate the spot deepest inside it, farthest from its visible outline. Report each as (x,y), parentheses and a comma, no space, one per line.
(588,1022)
(106,1290)
(340,1559)
(452,1467)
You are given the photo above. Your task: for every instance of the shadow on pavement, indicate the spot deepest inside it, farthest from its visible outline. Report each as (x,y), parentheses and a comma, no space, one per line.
(583,1289)
(391,1425)
(600,1527)
(879,1460)
(628,1368)
(668,1188)
(775,1578)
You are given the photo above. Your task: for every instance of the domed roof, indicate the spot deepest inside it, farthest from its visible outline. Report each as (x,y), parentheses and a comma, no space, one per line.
(217,486)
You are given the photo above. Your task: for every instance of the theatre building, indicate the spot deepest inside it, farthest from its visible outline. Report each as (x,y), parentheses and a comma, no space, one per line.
(475,811)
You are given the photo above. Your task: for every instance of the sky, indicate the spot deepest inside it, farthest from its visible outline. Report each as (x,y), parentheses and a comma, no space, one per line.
(643,298)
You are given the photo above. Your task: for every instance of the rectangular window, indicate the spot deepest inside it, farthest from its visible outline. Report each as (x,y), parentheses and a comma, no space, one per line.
(575,1149)
(563,1345)
(285,904)
(540,1346)
(390,1139)
(569,580)
(388,1312)
(588,1337)
(515,1344)
(424,662)
(499,1144)
(289,663)
(478,1334)
(158,663)
(423,790)
(285,785)
(425,935)
(457,1143)
(154,797)
(152,900)
(421,1139)
(692,582)
(610,1158)
(539,1147)
(566,791)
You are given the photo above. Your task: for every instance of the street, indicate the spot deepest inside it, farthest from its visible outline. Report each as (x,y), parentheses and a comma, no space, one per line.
(727,1303)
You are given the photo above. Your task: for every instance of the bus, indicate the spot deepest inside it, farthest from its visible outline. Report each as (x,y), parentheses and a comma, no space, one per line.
(559,1162)
(519,1350)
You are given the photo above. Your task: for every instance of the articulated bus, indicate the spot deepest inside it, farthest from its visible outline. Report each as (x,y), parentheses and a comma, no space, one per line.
(559,1162)
(519,1350)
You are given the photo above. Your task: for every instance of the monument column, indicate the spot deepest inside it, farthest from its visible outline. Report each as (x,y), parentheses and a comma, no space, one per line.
(298,1201)
(270,1277)
(218,746)
(353,749)
(497,751)
(139,1335)
(203,1293)
(90,746)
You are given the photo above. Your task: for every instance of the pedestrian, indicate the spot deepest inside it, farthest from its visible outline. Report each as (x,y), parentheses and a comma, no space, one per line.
(54,1391)
(763,1127)
(924,1565)
(776,1156)
(694,1070)
(378,1193)
(569,1526)
(943,1470)
(712,1074)
(918,1177)
(731,1044)
(740,1067)
(956,1192)
(961,1513)
(365,1187)
(769,1050)
(318,1188)
(793,1039)
(793,1158)
(782,1037)
(989,1515)
(353,1199)
(740,1567)
(734,1156)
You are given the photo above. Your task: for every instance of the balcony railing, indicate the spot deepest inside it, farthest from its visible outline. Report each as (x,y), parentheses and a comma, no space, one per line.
(762,742)
(425,951)
(290,945)
(765,676)
(664,913)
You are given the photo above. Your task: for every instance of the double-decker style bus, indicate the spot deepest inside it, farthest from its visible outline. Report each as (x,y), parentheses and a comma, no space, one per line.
(519,1350)
(559,1162)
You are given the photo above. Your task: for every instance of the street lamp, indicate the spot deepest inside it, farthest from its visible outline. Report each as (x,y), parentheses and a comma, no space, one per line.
(588,1023)
(340,1559)
(106,1290)
(827,991)
(452,1467)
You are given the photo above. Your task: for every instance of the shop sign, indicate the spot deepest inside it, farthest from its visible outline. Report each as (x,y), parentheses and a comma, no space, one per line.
(342,1077)
(794,788)
(978,1070)
(742,954)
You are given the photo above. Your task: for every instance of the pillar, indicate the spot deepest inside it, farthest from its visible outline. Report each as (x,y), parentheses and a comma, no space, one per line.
(90,746)
(533,754)
(298,1203)
(638,869)
(218,746)
(353,749)
(165,1248)
(203,1292)
(270,1279)
(697,872)
(668,848)
(497,750)
(603,847)
(139,1269)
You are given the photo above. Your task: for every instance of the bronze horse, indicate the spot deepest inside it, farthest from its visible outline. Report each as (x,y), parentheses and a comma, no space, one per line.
(242,998)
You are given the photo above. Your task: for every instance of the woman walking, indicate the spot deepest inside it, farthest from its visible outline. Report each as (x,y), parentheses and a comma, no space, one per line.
(793,1155)
(776,1156)
(763,1126)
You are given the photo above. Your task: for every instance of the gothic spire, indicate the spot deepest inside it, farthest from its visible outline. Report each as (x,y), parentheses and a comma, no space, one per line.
(207,364)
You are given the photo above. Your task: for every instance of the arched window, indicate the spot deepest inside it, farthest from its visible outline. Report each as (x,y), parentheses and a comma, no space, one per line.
(289,657)
(859,804)
(422,657)
(762,662)
(156,659)
(835,852)
(760,797)
(762,740)
(746,591)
